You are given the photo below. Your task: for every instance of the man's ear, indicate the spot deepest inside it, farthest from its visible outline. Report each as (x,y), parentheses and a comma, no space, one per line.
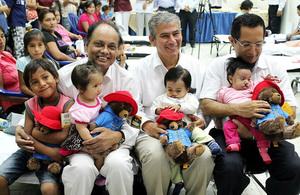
(231,39)
(152,40)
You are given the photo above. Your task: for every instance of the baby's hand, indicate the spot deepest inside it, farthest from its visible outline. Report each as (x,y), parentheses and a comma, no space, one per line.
(175,107)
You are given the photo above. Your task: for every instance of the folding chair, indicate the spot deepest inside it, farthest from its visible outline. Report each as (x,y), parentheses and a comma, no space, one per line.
(73,20)
(218,40)
(13,96)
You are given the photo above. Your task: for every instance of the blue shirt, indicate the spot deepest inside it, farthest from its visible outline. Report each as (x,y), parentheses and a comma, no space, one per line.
(17,16)
(103,16)
(3,22)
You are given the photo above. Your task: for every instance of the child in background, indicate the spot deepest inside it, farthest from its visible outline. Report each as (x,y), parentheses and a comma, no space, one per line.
(179,97)
(121,56)
(34,48)
(98,9)
(65,34)
(87,79)
(240,90)
(41,77)
(107,15)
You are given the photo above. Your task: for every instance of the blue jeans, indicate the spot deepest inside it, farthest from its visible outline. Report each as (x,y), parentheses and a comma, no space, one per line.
(16,165)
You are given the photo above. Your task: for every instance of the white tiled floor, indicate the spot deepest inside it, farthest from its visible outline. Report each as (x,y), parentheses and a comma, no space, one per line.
(206,58)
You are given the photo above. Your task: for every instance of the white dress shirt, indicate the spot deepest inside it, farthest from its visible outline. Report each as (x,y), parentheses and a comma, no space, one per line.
(150,72)
(281,3)
(193,4)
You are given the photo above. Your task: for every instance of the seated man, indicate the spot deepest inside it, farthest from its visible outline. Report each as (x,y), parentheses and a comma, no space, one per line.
(295,35)
(247,36)
(165,34)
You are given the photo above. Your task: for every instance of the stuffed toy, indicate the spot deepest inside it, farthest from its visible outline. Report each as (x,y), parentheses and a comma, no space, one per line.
(276,125)
(177,143)
(120,105)
(49,120)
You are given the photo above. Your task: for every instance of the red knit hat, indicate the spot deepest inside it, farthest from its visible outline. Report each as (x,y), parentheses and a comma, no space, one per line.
(264,84)
(169,115)
(50,117)
(122,96)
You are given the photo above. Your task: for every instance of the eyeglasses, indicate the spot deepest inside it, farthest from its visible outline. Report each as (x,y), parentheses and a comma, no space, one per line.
(249,45)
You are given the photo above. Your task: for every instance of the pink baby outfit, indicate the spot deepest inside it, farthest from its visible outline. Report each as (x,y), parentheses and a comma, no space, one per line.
(229,95)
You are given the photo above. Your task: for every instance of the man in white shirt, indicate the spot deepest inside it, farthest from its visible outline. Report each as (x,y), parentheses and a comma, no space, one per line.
(165,35)
(188,15)
(275,12)
(247,36)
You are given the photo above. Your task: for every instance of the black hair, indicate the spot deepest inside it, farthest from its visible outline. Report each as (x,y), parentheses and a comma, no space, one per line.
(298,7)
(31,35)
(177,73)
(97,2)
(87,4)
(35,64)
(2,29)
(246,5)
(82,74)
(236,63)
(105,7)
(43,12)
(92,28)
(246,20)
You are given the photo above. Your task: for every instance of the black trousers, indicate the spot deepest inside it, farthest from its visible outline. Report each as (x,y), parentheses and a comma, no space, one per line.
(274,21)
(188,18)
(229,169)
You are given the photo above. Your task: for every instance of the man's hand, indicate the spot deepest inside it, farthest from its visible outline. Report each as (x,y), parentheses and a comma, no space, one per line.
(254,108)
(243,131)
(199,121)
(102,142)
(23,140)
(279,13)
(153,129)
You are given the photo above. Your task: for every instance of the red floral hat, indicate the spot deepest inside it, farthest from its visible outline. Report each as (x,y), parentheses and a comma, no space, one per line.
(122,96)
(170,115)
(49,117)
(264,84)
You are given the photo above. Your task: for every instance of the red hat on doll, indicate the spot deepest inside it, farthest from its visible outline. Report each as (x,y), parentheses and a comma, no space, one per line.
(264,84)
(122,96)
(50,117)
(170,115)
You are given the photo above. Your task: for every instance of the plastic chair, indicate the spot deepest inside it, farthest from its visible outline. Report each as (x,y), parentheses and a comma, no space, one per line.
(60,62)
(73,20)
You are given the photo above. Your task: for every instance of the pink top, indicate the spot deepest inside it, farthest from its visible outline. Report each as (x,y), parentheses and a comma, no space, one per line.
(82,113)
(229,95)
(85,18)
(64,34)
(8,70)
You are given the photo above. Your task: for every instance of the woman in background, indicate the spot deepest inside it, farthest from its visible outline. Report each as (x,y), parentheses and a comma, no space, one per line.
(88,17)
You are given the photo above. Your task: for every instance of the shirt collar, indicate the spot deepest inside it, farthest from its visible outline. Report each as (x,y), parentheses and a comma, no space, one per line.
(157,61)
(260,63)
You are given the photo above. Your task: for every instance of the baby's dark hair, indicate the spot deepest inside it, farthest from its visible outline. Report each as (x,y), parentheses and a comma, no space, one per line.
(176,73)
(81,74)
(105,7)
(35,64)
(31,35)
(236,63)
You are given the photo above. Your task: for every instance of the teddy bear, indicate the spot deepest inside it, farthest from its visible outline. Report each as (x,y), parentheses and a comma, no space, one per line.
(120,105)
(177,143)
(276,125)
(49,120)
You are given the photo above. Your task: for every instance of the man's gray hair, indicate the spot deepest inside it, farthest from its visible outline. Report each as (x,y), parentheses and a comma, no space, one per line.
(162,17)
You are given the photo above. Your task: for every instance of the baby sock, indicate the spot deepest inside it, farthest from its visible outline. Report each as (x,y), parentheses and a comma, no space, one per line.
(233,147)
(265,156)
(214,147)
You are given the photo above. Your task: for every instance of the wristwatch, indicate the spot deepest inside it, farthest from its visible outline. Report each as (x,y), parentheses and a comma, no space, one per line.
(123,137)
